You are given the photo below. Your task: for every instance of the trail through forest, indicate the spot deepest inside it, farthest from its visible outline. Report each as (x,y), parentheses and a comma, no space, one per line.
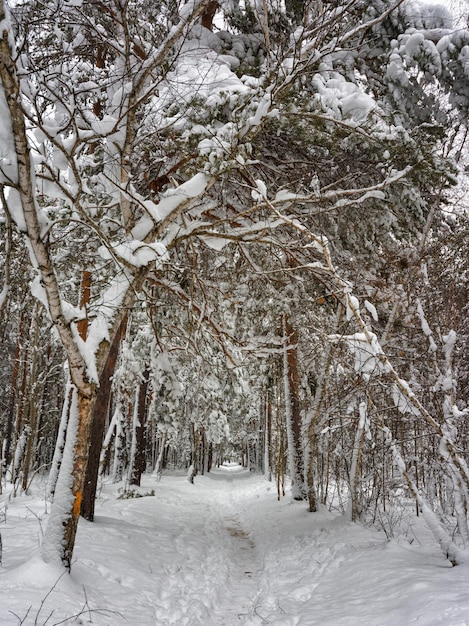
(225,552)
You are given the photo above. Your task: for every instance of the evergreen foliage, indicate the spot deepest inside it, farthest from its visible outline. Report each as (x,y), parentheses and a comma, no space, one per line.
(291,162)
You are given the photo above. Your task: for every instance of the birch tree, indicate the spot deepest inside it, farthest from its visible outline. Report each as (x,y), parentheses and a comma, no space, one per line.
(70,129)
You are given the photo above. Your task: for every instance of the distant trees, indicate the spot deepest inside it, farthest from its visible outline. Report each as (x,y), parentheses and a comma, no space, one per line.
(253,194)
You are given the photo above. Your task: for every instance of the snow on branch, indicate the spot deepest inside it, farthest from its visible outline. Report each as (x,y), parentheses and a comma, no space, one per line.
(425,326)
(221,334)
(365,350)
(188,14)
(367,25)
(369,355)
(447,545)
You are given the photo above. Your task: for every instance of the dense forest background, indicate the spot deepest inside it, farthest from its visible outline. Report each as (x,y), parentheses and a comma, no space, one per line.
(236,231)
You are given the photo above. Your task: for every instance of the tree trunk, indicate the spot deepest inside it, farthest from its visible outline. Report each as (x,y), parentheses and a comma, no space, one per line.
(65,513)
(100,411)
(353,507)
(193,469)
(210,457)
(159,460)
(119,461)
(85,408)
(21,405)
(11,403)
(203,452)
(292,411)
(139,461)
(33,399)
(60,441)
(267,437)
(281,466)
(85,298)
(209,14)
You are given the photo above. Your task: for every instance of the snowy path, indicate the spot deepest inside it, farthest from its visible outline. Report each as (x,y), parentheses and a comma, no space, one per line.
(211,571)
(225,552)
(236,602)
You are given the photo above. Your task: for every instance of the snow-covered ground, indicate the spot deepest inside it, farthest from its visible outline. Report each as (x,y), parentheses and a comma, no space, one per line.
(224,552)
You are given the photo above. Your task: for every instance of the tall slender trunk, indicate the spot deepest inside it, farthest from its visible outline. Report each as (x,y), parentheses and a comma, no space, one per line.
(60,441)
(13,392)
(33,399)
(193,469)
(85,299)
(210,457)
(21,405)
(159,460)
(85,408)
(119,462)
(139,460)
(267,437)
(281,466)
(202,452)
(292,411)
(353,507)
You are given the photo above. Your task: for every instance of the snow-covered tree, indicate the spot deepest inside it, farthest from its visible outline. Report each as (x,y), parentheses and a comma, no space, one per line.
(144,135)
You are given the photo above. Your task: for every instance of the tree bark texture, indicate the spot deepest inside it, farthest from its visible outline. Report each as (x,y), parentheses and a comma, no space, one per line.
(140,439)
(11,402)
(33,400)
(80,458)
(292,411)
(100,411)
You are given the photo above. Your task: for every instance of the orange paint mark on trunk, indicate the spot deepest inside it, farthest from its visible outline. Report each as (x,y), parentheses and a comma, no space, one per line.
(77,504)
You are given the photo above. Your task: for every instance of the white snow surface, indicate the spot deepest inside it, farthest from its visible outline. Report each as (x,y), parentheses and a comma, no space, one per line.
(224,552)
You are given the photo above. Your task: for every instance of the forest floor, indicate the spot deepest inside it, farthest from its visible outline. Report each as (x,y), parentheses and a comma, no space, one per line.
(224,552)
